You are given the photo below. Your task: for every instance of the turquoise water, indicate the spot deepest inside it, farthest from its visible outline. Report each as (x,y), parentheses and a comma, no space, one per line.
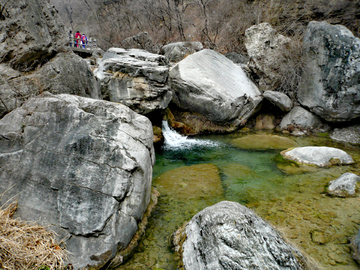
(190,178)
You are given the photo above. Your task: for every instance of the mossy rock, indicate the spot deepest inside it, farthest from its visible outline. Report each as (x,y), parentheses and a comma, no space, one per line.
(263,142)
(189,182)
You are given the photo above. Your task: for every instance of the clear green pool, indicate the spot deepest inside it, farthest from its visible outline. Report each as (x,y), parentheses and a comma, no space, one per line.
(289,197)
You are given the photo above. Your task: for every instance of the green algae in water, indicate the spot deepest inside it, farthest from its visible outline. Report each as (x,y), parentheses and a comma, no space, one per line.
(294,201)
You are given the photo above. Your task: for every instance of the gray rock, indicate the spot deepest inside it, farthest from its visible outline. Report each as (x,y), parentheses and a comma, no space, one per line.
(65,73)
(135,78)
(81,165)
(355,246)
(208,83)
(177,51)
(140,41)
(279,99)
(228,235)
(300,118)
(237,58)
(330,84)
(265,47)
(344,186)
(348,135)
(31,33)
(320,156)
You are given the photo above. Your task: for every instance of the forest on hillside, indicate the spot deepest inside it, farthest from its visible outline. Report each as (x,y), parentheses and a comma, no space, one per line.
(218,24)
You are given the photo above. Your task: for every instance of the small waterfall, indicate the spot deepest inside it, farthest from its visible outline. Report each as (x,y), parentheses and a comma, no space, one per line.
(176,141)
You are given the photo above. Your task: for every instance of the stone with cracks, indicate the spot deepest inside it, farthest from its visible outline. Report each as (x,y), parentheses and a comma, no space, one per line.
(344,186)
(81,165)
(330,85)
(135,78)
(320,156)
(209,84)
(347,135)
(228,235)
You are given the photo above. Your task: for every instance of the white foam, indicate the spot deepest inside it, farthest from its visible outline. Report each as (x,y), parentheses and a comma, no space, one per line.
(176,141)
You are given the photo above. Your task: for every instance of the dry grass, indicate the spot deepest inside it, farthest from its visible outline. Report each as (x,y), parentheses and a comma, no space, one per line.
(25,245)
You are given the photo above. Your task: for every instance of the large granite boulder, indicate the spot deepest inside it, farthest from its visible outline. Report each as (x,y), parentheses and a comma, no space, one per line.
(209,84)
(301,119)
(177,51)
(135,78)
(265,47)
(228,235)
(344,186)
(65,73)
(321,156)
(330,84)
(347,134)
(31,33)
(82,166)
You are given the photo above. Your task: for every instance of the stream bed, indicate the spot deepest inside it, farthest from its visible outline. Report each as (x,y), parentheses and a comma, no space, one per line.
(191,174)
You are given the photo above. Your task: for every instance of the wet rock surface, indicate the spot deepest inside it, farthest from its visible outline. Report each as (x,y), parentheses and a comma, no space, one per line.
(81,166)
(228,235)
(264,142)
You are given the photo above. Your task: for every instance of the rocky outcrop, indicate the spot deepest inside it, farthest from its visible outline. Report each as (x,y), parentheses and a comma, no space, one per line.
(299,118)
(355,246)
(320,156)
(330,84)
(32,39)
(177,51)
(81,165)
(209,84)
(135,78)
(344,186)
(347,135)
(228,235)
(140,41)
(265,47)
(66,73)
(279,99)
(31,33)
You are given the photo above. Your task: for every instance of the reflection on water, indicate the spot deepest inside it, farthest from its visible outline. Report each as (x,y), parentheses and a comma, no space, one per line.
(194,175)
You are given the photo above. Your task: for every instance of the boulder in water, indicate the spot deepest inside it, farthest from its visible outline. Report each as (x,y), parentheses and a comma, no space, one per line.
(228,235)
(347,135)
(264,142)
(320,156)
(299,118)
(209,84)
(344,186)
(83,167)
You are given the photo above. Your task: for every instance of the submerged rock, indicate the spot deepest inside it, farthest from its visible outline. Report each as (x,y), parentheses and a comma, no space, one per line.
(81,166)
(228,235)
(264,142)
(188,182)
(344,186)
(135,78)
(330,84)
(320,156)
(211,85)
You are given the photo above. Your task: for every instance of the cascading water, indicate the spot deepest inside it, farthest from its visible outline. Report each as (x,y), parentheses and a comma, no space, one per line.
(176,141)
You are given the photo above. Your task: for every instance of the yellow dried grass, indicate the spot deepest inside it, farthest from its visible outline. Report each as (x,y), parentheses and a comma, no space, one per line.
(25,245)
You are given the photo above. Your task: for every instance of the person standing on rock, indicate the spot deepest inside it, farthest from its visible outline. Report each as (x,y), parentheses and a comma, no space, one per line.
(77,39)
(71,38)
(84,41)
